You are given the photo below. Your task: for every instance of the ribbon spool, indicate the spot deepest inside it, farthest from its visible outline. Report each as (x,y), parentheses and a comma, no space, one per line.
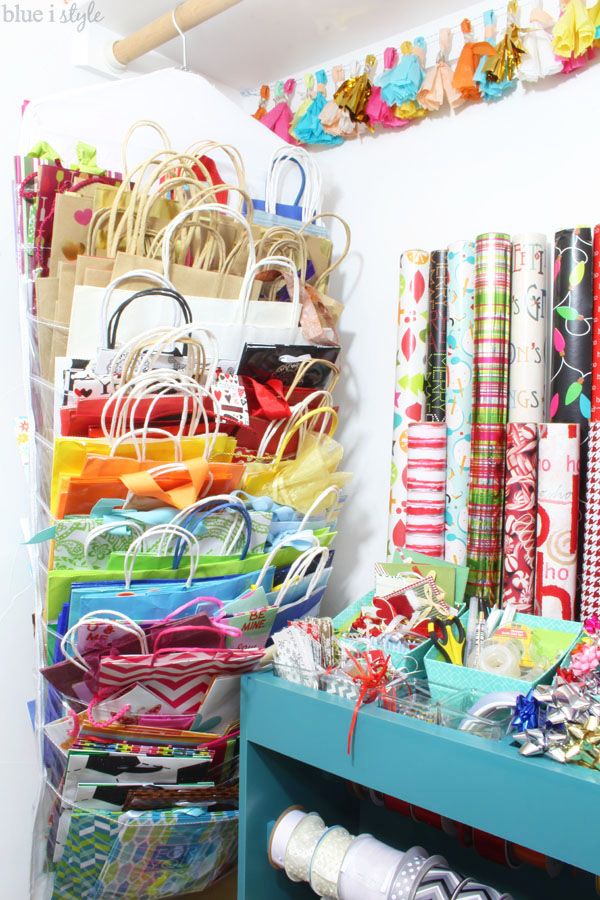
(517,855)
(435,881)
(491,847)
(399,806)
(281,834)
(473,890)
(368,869)
(406,876)
(302,845)
(424,815)
(327,861)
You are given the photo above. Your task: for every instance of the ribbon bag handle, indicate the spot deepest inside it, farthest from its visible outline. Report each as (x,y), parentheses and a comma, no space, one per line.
(146,274)
(139,543)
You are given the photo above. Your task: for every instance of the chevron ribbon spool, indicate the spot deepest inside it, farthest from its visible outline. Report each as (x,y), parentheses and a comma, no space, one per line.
(438,884)
(590,580)
(472,890)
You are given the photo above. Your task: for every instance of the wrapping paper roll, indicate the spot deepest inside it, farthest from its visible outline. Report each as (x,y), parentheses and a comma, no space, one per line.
(426,483)
(596,331)
(590,577)
(435,384)
(492,322)
(486,497)
(528,321)
(459,396)
(409,391)
(520,498)
(557,520)
(572,315)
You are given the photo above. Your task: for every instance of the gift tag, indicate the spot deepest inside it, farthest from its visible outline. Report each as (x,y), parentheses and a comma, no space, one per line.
(231,396)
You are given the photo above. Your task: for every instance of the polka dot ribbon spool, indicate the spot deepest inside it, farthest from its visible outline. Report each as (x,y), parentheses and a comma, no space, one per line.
(301,846)
(406,878)
(327,861)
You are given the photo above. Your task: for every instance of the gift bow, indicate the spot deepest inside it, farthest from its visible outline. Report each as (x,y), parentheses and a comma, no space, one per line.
(370,677)
(86,159)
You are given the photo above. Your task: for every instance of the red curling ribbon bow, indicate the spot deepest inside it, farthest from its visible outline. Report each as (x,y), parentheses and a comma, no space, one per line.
(370,677)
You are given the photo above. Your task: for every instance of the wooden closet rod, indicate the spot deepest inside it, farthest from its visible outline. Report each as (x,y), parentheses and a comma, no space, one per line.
(156,33)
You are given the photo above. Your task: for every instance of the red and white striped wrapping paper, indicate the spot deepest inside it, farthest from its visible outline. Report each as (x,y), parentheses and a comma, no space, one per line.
(590,576)
(179,678)
(520,498)
(557,520)
(426,486)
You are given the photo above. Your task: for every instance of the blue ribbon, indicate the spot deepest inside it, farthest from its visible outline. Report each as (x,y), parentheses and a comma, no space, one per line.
(526,714)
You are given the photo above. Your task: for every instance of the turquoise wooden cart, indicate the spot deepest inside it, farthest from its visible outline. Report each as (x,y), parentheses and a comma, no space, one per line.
(293,751)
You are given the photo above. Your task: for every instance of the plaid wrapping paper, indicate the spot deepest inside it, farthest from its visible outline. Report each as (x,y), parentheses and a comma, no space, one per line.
(435,383)
(486,497)
(493,262)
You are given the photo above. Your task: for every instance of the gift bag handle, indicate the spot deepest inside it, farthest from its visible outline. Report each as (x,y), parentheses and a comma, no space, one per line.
(205,208)
(288,541)
(207,505)
(191,525)
(134,528)
(144,433)
(99,617)
(308,364)
(146,274)
(113,324)
(271,262)
(332,489)
(298,570)
(138,544)
(198,601)
(225,630)
(305,418)
(143,123)
(348,235)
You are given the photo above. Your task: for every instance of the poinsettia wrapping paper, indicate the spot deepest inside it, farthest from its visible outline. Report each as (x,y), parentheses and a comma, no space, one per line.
(520,515)
(572,316)
(486,497)
(528,321)
(435,382)
(596,329)
(459,396)
(426,482)
(557,520)
(590,577)
(493,260)
(409,387)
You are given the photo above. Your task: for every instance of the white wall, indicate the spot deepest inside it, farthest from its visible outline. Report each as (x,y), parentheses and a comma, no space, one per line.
(526,163)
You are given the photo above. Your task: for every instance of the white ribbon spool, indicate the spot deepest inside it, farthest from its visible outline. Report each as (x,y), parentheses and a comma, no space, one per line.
(281,834)
(368,869)
(327,861)
(301,846)
(406,875)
